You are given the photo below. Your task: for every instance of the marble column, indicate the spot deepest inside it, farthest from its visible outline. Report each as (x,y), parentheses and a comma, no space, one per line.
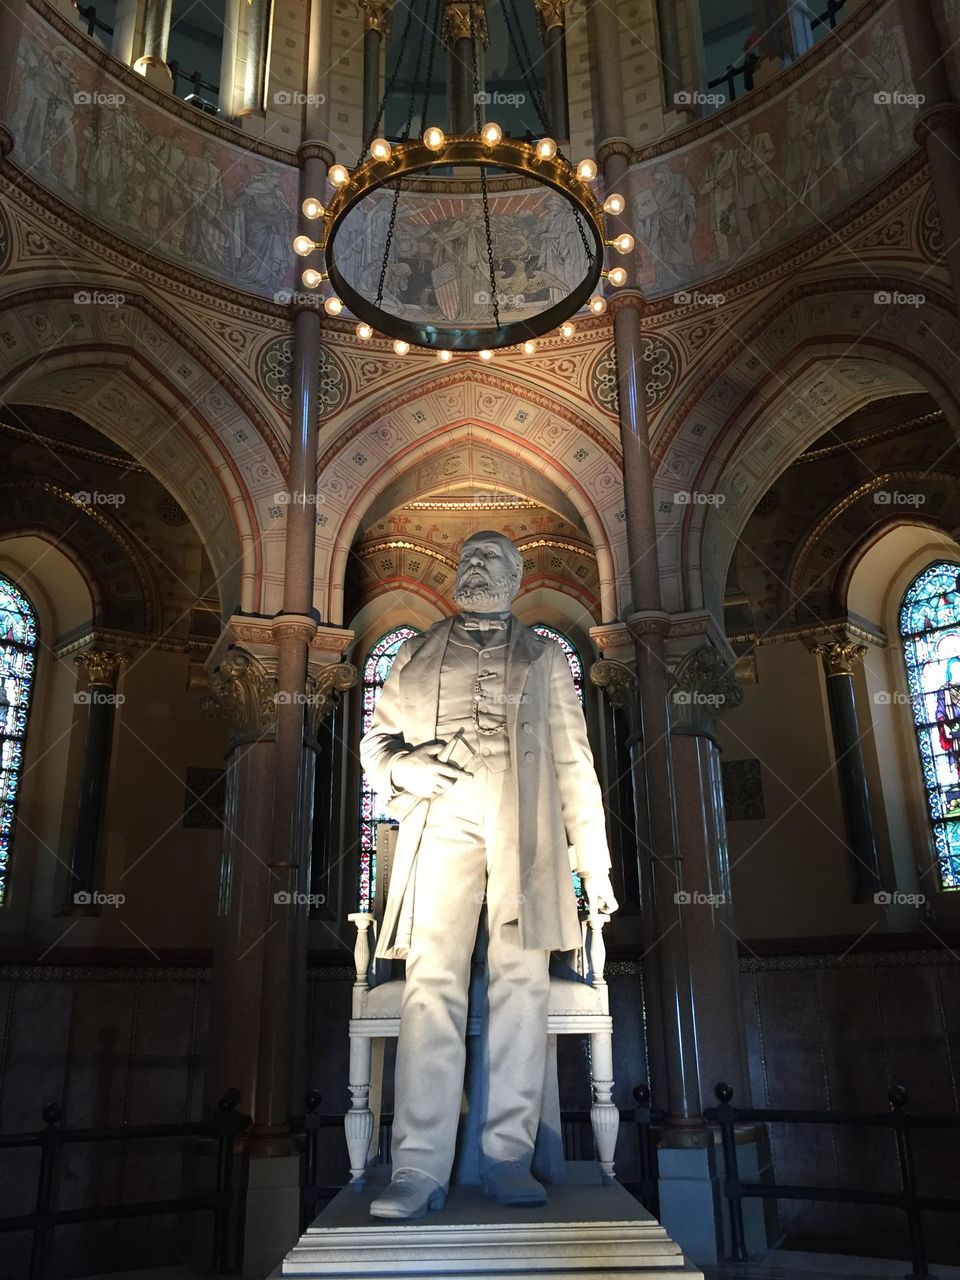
(839,660)
(100,698)
(671,54)
(127,23)
(648,621)
(553,30)
(376,29)
(243,60)
(465,29)
(152,63)
(703,688)
(619,683)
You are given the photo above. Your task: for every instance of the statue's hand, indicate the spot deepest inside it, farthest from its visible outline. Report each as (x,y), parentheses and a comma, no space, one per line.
(600,895)
(420,773)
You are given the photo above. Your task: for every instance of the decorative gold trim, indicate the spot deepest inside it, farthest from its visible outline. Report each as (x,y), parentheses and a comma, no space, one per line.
(549,14)
(101,665)
(377,14)
(465,21)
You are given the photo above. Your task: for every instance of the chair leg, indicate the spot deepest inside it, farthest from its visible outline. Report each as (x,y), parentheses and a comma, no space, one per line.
(604,1115)
(358,1122)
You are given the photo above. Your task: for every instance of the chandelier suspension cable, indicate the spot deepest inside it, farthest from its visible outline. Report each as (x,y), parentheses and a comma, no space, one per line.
(388,87)
(405,135)
(521,51)
(494,300)
(434,41)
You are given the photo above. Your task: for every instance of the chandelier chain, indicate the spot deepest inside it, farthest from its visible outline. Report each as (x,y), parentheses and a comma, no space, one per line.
(495,301)
(521,51)
(434,41)
(388,88)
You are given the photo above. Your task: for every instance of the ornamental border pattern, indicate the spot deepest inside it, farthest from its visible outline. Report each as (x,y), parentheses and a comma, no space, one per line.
(253,413)
(672,422)
(101,242)
(482,378)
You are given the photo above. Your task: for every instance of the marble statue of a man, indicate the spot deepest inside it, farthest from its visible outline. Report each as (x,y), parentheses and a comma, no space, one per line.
(485,819)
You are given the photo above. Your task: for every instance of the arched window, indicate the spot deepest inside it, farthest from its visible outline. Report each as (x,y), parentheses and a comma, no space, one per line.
(373,806)
(930,633)
(18,654)
(569,652)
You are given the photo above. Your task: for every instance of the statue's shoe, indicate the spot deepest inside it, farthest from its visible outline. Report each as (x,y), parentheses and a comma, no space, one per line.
(511,1182)
(409,1195)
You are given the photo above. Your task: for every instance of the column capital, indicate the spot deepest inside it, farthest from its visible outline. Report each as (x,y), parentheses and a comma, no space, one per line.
(942,115)
(550,14)
(614,147)
(377,14)
(465,21)
(627,300)
(325,683)
(622,687)
(315,151)
(839,656)
(101,665)
(242,691)
(702,687)
(649,622)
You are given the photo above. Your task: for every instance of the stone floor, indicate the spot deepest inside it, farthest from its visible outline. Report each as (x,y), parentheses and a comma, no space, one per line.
(781,1264)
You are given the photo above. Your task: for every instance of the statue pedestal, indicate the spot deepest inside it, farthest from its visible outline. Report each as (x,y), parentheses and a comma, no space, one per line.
(584,1232)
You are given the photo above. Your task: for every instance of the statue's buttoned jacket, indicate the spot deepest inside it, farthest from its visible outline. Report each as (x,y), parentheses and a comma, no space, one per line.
(558,804)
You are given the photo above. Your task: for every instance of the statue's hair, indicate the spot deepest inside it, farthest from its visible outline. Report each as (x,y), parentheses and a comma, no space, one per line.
(492,535)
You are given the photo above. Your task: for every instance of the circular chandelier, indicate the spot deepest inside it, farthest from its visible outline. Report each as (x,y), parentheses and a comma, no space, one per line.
(464,242)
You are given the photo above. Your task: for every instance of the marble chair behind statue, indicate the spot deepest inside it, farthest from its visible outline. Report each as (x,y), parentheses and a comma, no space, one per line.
(579,1005)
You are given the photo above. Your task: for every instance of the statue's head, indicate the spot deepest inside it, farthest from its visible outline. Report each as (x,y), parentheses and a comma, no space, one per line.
(489,573)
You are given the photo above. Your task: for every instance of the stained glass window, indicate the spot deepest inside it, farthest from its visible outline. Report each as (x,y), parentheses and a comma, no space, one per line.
(372,805)
(930,631)
(18,653)
(569,652)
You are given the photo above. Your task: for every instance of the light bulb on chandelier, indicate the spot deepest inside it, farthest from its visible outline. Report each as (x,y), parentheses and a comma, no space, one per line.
(434,138)
(332,306)
(311,278)
(364,331)
(312,208)
(617,276)
(401,347)
(339,175)
(587,170)
(380,149)
(303,246)
(597,304)
(491,135)
(444,356)
(614,203)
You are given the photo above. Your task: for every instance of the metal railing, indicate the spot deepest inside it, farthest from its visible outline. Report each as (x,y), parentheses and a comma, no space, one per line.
(198,86)
(223,1127)
(898,1120)
(745,69)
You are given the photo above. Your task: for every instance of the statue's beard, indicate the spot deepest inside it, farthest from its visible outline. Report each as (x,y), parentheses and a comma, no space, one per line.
(475,589)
